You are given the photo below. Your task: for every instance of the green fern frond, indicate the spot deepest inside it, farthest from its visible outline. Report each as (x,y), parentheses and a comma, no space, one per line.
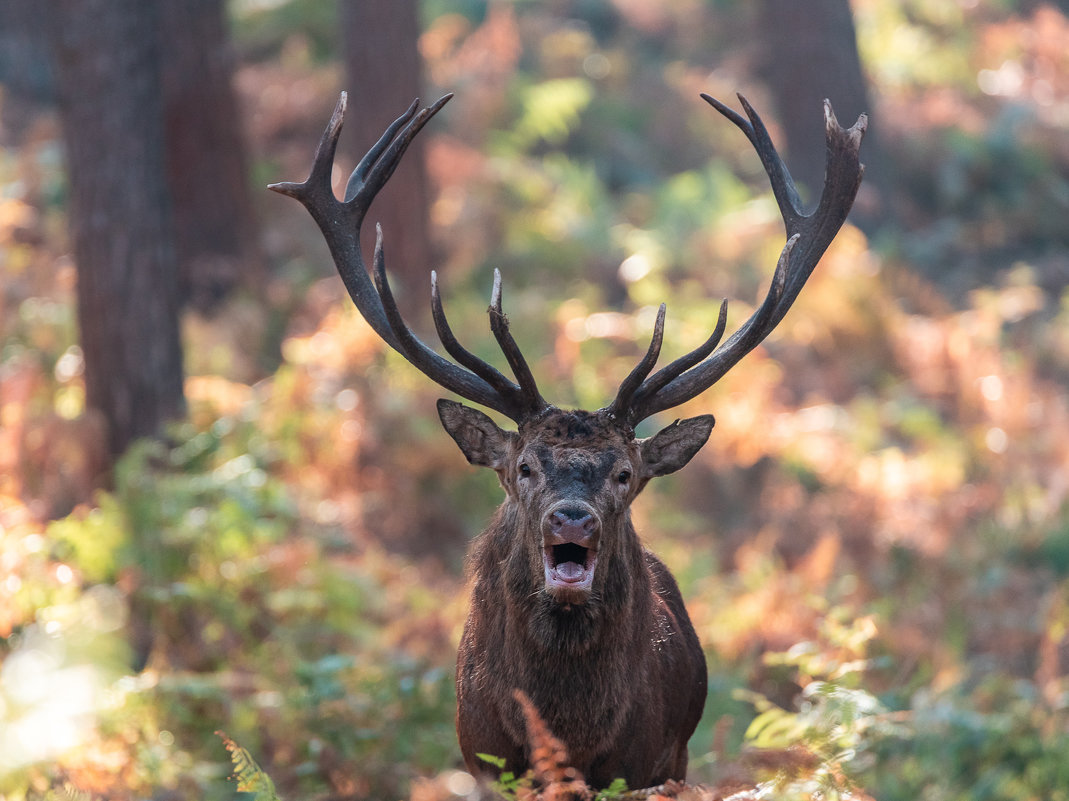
(68,793)
(249,776)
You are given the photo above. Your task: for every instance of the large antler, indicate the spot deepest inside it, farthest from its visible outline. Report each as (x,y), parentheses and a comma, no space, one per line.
(808,236)
(341,221)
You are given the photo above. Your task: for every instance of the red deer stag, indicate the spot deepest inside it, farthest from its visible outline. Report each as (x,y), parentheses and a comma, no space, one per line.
(568,606)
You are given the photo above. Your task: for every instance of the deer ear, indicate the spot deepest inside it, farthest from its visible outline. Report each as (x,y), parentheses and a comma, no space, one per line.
(482,441)
(672,447)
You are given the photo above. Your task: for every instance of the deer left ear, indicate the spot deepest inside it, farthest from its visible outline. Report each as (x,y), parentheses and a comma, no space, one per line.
(672,447)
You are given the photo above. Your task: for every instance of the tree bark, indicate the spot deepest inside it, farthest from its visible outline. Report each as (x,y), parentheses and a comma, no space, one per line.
(808,52)
(383,67)
(107,69)
(25,68)
(215,225)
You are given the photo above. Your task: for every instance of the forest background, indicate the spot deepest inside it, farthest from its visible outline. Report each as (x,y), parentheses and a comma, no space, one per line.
(874,545)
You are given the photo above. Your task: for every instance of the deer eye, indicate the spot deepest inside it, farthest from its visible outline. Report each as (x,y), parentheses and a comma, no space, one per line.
(525,470)
(623,476)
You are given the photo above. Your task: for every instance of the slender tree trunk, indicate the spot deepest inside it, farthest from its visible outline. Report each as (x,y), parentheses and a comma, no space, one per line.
(383,67)
(215,226)
(107,67)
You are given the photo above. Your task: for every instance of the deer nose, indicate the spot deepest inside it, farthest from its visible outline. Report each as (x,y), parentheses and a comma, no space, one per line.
(572,525)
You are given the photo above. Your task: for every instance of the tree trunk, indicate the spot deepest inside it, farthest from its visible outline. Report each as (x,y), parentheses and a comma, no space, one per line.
(383,67)
(25,68)
(808,52)
(107,69)
(215,227)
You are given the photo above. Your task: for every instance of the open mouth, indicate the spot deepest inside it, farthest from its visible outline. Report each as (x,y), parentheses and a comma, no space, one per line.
(569,566)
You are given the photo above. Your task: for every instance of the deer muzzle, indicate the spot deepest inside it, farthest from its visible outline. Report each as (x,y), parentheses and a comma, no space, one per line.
(570,535)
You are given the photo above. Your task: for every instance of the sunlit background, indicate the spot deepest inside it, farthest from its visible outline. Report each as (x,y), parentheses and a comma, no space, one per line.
(874,545)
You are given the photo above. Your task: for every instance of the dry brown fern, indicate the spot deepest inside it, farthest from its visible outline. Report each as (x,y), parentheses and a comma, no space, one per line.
(560,781)
(549,758)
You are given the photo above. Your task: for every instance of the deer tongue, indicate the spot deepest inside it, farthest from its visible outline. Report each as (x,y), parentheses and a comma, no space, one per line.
(570,571)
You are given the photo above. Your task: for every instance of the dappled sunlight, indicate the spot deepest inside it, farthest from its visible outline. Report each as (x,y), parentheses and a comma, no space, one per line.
(60,677)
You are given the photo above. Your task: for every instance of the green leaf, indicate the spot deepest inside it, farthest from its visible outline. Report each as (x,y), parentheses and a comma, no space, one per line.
(497,762)
(618,786)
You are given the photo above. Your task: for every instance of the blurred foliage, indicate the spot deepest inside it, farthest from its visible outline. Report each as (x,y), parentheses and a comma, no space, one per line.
(874,546)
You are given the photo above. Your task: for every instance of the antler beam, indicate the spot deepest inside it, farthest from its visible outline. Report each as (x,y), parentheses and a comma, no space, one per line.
(340,222)
(808,236)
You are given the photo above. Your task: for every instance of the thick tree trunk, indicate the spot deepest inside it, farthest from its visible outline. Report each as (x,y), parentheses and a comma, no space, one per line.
(107,67)
(383,68)
(808,52)
(25,68)
(215,227)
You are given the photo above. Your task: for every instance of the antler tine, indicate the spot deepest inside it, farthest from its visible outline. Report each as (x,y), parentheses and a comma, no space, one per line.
(620,406)
(465,357)
(360,172)
(322,163)
(366,181)
(783,188)
(422,357)
(672,371)
(499,325)
(808,237)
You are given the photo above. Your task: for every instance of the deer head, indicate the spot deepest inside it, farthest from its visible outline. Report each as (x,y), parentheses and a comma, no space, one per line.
(569,478)
(641,394)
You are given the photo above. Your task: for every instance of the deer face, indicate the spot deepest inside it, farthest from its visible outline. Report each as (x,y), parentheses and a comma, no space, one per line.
(571,478)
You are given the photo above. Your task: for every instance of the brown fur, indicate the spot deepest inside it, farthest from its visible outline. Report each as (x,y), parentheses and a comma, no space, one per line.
(616,672)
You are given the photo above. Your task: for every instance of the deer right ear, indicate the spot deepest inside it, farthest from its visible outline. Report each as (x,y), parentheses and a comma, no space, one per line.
(482,441)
